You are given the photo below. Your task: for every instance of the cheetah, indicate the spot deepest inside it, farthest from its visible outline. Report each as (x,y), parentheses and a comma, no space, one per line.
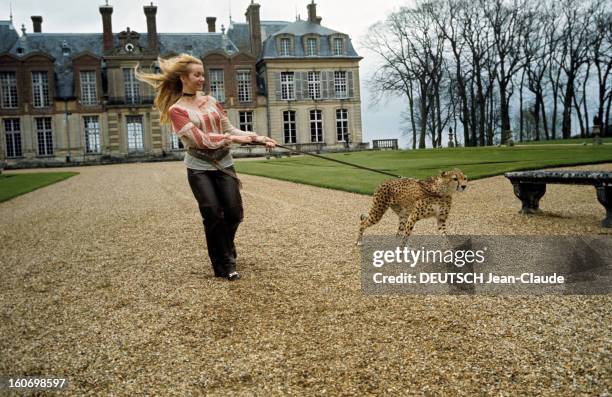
(413,200)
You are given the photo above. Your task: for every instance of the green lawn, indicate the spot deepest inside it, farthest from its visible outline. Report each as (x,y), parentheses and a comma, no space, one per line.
(474,162)
(12,185)
(572,141)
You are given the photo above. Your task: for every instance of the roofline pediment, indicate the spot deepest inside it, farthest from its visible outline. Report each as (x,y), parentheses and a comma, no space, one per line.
(86,54)
(10,56)
(37,53)
(216,52)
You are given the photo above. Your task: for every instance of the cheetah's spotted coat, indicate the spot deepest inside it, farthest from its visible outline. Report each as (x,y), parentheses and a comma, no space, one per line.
(413,200)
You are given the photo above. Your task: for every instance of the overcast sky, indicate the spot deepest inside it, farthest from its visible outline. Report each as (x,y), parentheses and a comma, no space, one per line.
(347,16)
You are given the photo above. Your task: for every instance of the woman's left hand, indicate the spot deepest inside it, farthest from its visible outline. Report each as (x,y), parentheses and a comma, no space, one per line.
(270,143)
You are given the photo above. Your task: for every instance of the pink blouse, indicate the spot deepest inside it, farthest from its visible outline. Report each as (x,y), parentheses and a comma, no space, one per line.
(202,124)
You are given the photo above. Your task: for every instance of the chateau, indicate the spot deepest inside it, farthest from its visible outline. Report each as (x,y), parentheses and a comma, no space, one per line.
(72,97)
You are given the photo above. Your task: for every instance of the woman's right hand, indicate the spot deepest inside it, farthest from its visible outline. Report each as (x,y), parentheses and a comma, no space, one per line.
(227,140)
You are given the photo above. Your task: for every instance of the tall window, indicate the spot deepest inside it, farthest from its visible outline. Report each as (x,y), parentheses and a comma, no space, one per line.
(340,84)
(89,94)
(132,90)
(287,86)
(8,86)
(290,133)
(175,142)
(314,85)
(12,131)
(285,47)
(246,121)
(311,46)
(45,136)
(92,134)
(338,46)
(342,125)
(316,126)
(217,86)
(135,134)
(40,88)
(244,86)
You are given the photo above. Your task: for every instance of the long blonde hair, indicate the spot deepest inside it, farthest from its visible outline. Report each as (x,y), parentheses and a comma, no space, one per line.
(168,85)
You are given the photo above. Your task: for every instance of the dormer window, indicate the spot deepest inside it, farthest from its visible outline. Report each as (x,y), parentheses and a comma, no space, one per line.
(338,46)
(311,47)
(285,46)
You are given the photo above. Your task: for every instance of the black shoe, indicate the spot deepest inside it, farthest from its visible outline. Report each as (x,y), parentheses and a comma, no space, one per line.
(233,276)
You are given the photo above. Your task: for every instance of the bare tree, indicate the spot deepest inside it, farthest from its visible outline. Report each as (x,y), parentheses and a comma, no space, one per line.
(537,63)
(575,44)
(451,18)
(507,23)
(408,61)
(463,60)
(601,54)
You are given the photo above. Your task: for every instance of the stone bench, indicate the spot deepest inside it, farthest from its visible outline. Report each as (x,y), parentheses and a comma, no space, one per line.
(530,186)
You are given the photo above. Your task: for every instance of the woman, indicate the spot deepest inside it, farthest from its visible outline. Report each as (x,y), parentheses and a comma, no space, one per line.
(202,125)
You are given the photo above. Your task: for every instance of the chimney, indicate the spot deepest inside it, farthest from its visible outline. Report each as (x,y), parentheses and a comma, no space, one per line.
(107,27)
(211,24)
(150,12)
(37,23)
(252,17)
(312,13)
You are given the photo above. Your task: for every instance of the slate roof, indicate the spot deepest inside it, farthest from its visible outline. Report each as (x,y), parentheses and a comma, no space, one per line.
(268,28)
(8,35)
(196,43)
(299,29)
(237,39)
(239,32)
(239,35)
(53,44)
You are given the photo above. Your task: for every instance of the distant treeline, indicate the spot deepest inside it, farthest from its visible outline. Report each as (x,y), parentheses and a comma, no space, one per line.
(473,65)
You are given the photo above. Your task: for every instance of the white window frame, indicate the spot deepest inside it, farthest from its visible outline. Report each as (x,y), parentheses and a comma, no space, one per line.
(316,125)
(245,120)
(135,133)
(314,85)
(287,80)
(131,86)
(244,85)
(40,89)
(12,134)
(285,46)
(342,123)
(89,89)
(8,86)
(91,125)
(340,84)
(289,126)
(44,135)
(311,47)
(216,78)
(338,49)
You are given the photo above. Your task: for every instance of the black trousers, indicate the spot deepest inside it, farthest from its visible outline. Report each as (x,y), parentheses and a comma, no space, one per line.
(220,205)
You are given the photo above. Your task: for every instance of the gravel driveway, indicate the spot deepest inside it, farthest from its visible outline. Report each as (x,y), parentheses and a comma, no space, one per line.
(106,281)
